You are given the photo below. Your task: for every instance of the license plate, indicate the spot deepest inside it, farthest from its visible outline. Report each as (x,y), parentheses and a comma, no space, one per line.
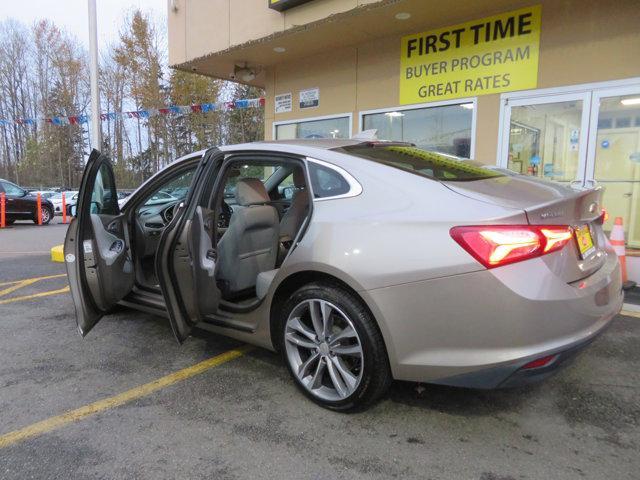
(585,241)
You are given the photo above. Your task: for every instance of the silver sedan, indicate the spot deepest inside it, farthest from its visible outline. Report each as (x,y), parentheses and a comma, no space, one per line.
(361,262)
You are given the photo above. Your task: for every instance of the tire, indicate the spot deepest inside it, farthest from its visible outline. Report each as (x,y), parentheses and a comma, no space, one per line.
(355,368)
(47,215)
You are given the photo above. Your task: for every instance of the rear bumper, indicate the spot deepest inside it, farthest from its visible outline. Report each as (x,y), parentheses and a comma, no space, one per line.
(514,375)
(523,376)
(479,329)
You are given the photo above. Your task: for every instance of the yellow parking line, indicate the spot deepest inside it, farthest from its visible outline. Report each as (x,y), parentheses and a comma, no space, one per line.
(35,279)
(16,286)
(71,416)
(35,295)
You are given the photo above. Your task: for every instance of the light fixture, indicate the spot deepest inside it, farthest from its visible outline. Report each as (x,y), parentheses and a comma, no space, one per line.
(279,49)
(630,101)
(468,106)
(394,114)
(244,73)
(403,16)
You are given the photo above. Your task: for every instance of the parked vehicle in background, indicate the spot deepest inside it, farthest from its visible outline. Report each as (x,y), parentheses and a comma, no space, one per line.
(122,196)
(22,205)
(384,261)
(70,198)
(159,198)
(43,193)
(71,202)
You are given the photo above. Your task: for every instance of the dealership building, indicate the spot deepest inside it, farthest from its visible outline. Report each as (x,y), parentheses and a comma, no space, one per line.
(548,88)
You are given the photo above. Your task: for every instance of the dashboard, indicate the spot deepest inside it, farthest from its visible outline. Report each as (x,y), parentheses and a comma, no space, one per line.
(152,220)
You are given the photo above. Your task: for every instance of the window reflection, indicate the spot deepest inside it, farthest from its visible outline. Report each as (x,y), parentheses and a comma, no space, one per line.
(327,128)
(445,129)
(544,140)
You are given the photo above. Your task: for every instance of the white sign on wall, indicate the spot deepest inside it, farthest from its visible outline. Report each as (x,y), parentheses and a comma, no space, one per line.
(284,102)
(309,98)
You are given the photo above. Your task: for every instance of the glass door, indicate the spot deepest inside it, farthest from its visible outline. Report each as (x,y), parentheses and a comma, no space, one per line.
(614,156)
(546,136)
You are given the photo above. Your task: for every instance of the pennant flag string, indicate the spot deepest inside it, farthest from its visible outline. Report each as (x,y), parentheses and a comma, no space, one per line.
(146,113)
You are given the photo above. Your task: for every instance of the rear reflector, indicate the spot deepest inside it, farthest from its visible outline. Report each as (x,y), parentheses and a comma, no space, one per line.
(496,245)
(540,362)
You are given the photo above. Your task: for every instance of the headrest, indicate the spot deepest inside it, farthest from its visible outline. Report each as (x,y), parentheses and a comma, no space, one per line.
(233,173)
(250,191)
(298,177)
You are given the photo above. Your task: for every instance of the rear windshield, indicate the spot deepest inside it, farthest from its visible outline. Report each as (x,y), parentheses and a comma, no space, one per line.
(434,165)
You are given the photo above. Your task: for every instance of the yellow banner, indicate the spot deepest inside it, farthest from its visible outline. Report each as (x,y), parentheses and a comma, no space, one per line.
(491,55)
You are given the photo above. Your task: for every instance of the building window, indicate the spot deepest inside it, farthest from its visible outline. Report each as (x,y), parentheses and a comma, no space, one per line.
(326,127)
(544,139)
(444,128)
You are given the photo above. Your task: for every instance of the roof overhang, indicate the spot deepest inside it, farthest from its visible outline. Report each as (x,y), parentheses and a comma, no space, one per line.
(350,28)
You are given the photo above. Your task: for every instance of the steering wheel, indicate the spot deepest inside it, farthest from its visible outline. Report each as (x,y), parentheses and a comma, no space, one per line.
(224,216)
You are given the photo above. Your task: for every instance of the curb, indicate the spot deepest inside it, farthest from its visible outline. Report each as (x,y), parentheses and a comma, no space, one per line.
(57,254)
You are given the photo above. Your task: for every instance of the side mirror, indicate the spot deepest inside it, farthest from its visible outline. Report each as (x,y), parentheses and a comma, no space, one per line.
(73,209)
(287,192)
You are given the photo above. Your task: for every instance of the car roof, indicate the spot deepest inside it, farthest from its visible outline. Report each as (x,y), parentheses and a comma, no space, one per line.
(312,143)
(296,146)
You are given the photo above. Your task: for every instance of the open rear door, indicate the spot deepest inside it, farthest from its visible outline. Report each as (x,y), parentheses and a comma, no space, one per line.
(96,246)
(186,255)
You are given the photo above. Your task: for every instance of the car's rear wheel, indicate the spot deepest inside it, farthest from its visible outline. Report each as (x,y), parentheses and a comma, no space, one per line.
(333,348)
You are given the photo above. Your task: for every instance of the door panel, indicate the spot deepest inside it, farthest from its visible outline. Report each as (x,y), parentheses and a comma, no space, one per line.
(545,139)
(185,262)
(97,254)
(615,157)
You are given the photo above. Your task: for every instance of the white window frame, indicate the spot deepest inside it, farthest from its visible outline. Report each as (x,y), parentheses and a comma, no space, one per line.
(598,95)
(592,91)
(348,115)
(505,124)
(418,106)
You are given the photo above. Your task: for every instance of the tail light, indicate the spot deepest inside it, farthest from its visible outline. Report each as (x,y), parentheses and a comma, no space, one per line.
(497,245)
(540,362)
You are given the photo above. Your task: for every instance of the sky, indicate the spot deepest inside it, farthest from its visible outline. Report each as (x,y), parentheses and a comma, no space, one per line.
(72,15)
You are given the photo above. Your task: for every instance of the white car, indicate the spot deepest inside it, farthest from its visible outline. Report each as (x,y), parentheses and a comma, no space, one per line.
(44,194)
(70,197)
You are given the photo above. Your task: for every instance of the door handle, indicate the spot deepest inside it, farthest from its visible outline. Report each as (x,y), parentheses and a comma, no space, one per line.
(117,246)
(627,195)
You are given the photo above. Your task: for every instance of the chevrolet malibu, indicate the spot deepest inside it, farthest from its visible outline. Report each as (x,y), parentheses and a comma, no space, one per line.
(360,261)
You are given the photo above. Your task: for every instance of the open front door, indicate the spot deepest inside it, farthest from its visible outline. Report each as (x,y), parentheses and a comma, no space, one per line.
(96,247)
(186,255)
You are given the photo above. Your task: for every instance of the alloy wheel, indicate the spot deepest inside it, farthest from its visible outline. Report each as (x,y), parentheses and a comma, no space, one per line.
(324,349)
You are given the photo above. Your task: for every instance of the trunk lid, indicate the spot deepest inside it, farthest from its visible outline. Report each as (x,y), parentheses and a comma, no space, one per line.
(548,203)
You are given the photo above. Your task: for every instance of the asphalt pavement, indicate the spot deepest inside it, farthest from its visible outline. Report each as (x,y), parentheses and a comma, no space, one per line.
(243,418)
